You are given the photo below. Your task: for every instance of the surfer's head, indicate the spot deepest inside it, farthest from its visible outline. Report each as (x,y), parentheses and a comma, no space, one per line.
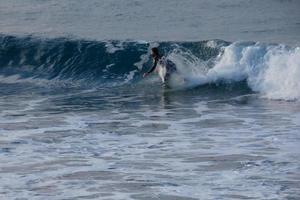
(154,52)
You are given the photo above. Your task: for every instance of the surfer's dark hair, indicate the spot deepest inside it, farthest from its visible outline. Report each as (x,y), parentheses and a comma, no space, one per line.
(155,50)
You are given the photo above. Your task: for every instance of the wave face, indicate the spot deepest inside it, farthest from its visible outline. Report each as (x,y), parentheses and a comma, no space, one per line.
(269,69)
(68,59)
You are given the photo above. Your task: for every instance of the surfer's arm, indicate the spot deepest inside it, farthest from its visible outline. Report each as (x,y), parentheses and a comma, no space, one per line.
(152,68)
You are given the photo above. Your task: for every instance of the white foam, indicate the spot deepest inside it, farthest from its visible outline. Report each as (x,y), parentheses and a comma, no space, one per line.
(130,76)
(273,71)
(280,77)
(143,59)
(190,69)
(112,48)
(16,78)
(212,44)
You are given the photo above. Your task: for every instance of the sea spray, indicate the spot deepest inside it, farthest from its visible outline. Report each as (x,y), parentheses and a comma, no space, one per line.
(271,70)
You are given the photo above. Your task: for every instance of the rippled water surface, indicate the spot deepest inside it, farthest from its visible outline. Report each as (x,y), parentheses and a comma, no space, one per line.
(252,20)
(119,144)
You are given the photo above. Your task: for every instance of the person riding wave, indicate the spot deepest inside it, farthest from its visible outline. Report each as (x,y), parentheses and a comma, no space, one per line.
(162,65)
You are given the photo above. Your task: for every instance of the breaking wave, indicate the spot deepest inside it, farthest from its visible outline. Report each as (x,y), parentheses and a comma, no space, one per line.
(272,70)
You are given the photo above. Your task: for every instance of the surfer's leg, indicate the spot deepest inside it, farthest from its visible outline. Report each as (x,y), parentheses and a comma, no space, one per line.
(170,70)
(165,86)
(167,77)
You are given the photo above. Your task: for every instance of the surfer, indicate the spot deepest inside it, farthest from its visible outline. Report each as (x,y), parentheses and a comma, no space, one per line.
(162,65)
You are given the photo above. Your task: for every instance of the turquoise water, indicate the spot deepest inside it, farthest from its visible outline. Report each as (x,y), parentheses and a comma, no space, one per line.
(78,121)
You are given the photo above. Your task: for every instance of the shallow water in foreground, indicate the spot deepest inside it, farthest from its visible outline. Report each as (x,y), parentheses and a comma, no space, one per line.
(204,143)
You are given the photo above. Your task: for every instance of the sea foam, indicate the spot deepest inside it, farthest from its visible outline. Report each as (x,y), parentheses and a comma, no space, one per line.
(271,70)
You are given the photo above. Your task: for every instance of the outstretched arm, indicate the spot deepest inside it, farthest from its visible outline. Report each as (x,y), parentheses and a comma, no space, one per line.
(152,68)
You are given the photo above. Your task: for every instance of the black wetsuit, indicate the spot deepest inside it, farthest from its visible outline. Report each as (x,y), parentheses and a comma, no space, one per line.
(170,67)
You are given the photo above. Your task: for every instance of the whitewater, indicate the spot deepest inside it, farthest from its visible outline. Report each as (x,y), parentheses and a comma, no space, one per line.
(78,120)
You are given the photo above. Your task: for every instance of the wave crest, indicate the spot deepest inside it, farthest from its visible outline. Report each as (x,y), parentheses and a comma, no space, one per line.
(269,69)
(272,70)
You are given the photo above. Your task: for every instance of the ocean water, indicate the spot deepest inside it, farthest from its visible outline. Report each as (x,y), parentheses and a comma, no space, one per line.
(78,121)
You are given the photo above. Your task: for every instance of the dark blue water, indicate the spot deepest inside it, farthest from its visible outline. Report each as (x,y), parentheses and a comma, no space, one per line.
(78,121)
